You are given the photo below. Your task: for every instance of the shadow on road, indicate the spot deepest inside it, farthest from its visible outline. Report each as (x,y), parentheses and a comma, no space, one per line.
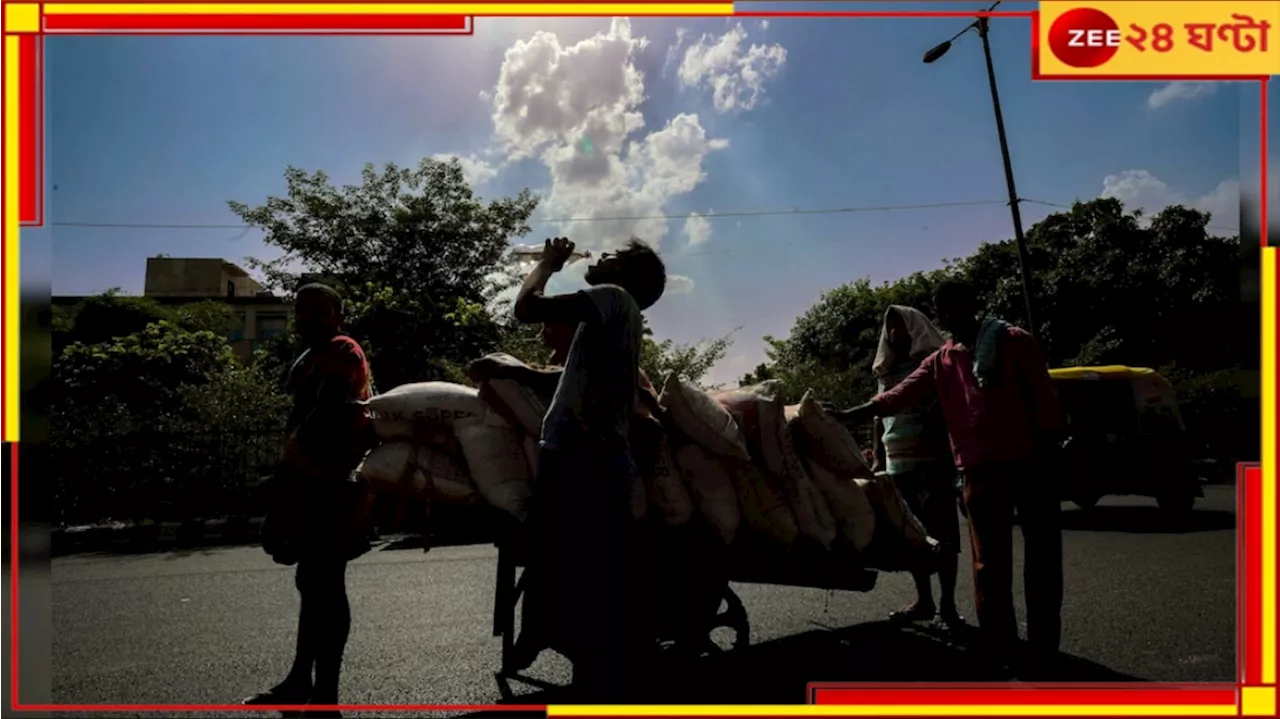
(415,542)
(778,672)
(1146,520)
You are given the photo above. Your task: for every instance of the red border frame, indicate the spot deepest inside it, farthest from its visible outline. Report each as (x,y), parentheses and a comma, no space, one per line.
(1249,477)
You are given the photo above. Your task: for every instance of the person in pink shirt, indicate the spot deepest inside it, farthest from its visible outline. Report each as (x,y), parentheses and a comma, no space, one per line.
(1003,422)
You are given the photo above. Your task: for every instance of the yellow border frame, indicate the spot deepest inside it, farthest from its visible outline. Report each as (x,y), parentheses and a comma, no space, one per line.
(12,298)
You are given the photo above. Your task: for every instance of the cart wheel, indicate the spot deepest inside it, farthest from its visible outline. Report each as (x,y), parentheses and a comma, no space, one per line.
(732,615)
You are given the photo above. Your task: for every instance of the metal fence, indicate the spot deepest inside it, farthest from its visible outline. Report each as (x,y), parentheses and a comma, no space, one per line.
(163,475)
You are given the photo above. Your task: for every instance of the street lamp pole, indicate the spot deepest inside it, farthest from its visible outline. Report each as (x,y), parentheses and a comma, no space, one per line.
(981,25)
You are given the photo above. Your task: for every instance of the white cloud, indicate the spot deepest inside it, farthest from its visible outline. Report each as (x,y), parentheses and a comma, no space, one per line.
(698,229)
(673,52)
(764,24)
(577,109)
(1140,189)
(547,93)
(679,285)
(1179,91)
(734,72)
(476,170)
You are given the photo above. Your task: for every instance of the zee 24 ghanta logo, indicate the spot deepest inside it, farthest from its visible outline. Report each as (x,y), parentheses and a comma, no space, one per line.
(1087,37)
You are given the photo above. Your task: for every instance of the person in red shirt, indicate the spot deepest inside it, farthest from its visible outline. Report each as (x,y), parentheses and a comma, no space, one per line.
(314,518)
(1003,420)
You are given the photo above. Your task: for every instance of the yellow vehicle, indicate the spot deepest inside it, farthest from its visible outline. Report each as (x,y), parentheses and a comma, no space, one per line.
(1125,436)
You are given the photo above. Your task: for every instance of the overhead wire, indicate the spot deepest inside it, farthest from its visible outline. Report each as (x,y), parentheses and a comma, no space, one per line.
(794,212)
(562,220)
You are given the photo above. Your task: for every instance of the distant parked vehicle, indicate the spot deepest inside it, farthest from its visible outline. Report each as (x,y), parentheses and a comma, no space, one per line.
(1125,436)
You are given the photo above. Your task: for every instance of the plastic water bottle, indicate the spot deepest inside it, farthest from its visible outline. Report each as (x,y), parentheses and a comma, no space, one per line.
(533,253)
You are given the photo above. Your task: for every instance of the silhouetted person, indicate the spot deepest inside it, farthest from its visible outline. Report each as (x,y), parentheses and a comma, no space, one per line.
(1003,419)
(576,598)
(558,338)
(912,448)
(313,518)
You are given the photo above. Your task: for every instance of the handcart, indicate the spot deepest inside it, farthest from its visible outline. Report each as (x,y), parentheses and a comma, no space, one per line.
(741,565)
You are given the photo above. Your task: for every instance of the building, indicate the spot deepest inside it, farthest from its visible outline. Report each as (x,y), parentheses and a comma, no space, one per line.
(177,280)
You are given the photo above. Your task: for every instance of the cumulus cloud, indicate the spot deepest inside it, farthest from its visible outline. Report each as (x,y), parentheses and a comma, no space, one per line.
(577,110)
(733,71)
(697,229)
(679,285)
(1179,91)
(477,170)
(547,93)
(1141,189)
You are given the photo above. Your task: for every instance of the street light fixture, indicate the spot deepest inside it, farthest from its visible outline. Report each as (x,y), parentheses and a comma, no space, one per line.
(981,26)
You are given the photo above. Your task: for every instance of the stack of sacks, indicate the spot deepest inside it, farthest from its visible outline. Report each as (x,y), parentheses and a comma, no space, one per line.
(716,464)
(736,459)
(442,416)
(834,460)
(793,471)
(522,395)
(761,416)
(401,467)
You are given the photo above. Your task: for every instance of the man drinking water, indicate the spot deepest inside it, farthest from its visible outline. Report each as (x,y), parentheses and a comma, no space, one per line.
(576,600)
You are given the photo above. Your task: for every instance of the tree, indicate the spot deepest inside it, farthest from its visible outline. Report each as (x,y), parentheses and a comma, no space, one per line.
(1113,287)
(111,315)
(414,250)
(691,362)
(1110,287)
(832,345)
(153,415)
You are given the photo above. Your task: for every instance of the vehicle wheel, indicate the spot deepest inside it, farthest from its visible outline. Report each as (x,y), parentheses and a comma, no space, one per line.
(1178,504)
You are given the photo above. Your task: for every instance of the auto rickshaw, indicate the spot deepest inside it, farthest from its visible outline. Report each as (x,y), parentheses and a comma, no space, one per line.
(1125,436)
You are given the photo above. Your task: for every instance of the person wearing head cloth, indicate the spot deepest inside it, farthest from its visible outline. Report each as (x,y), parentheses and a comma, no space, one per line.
(1004,422)
(314,517)
(912,448)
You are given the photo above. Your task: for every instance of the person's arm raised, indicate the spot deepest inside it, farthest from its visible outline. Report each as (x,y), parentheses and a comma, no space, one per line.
(533,306)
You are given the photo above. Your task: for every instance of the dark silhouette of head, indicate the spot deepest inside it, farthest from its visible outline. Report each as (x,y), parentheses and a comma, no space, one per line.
(957,304)
(318,312)
(635,268)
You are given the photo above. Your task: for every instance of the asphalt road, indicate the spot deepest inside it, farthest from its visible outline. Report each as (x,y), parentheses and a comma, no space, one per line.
(1144,602)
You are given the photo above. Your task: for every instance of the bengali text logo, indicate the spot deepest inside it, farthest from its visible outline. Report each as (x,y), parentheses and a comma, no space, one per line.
(1086,37)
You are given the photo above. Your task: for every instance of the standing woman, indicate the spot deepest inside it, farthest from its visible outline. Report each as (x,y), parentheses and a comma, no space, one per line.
(314,518)
(912,447)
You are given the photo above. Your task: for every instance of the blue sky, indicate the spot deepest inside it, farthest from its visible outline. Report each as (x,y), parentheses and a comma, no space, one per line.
(685,116)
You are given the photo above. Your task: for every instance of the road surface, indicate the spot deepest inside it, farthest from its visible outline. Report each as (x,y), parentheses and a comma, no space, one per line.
(1143,602)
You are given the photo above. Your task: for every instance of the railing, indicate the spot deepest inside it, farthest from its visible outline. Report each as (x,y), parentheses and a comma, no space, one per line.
(163,475)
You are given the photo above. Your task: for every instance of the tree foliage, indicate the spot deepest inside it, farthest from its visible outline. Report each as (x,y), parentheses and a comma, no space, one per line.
(692,362)
(414,250)
(155,421)
(1109,286)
